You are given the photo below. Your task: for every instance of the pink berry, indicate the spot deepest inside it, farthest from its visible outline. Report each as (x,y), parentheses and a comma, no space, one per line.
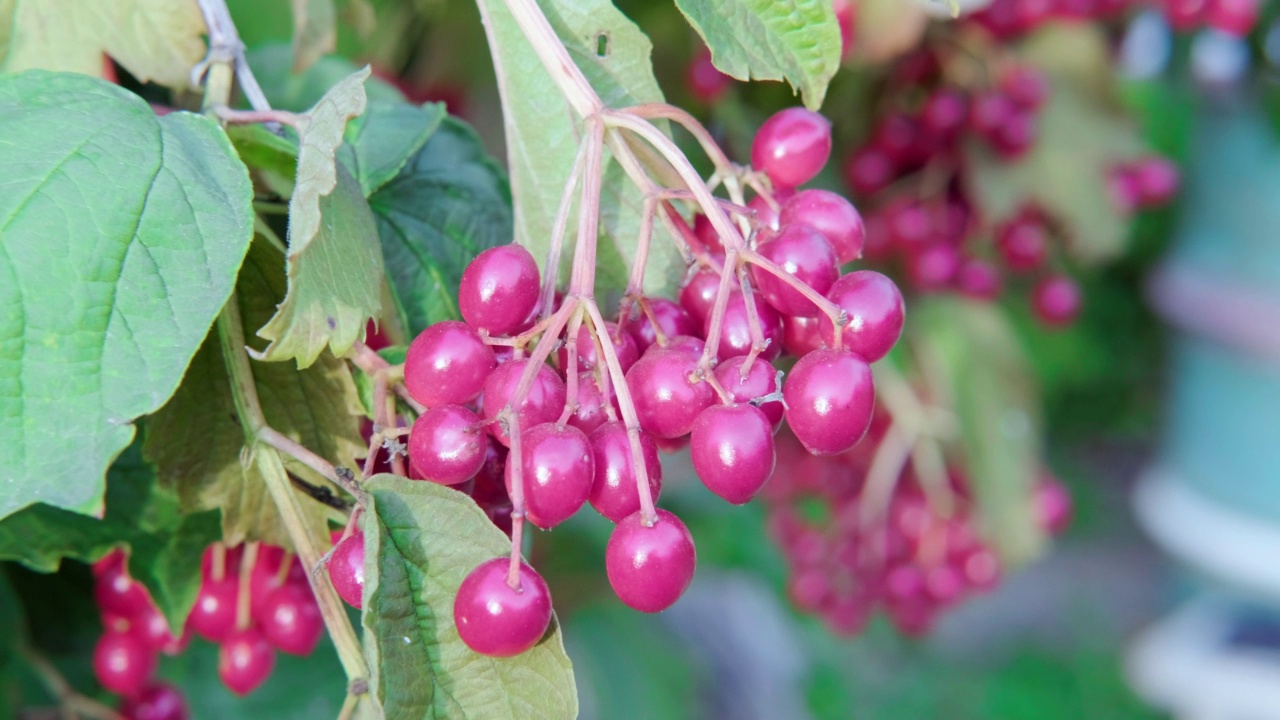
(1026,87)
(1053,505)
(875,310)
(613,492)
(732,451)
(556,471)
(944,115)
(792,146)
(801,335)
(499,289)
(290,619)
(1056,301)
(544,402)
(869,170)
(846,18)
(978,279)
(447,444)
(447,363)
(706,82)
(830,397)
(830,214)
(735,329)
(990,112)
(672,321)
(908,222)
(1023,243)
(245,661)
(803,253)
(687,344)
(650,567)
(1184,15)
(123,663)
(214,615)
(1157,179)
(766,214)
(496,620)
(157,701)
(346,569)
(699,295)
(153,628)
(1012,139)
(624,346)
(901,138)
(1235,17)
(667,392)
(932,268)
(707,235)
(591,412)
(759,380)
(114,591)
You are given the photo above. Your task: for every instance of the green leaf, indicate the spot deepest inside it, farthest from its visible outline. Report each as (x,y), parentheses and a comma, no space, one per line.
(197,443)
(123,233)
(166,543)
(982,370)
(794,40)
(272,65)
(449,202)
(272,158)
(386,137)
(315,31)
(157,40)
(1082,134)
(543,132)
(421,540)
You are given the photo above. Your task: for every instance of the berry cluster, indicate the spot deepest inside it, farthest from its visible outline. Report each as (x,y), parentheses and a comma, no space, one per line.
(535,388)
(865,549)
(253,600)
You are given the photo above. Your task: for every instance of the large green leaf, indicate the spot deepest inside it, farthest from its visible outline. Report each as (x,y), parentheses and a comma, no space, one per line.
(983,371)
(166,543)
(543,132)
(793,40)
(385,138)
(1082,135)
(158,40)
(197,443)
(122,233)
(449,202)
(421,540)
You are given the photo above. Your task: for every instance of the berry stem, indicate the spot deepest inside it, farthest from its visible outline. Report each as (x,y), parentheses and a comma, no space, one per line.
(571,368)
(882,476)
(371,363)
(551,270)
(572,83)
(838,316)
(712,348)
(583,280)
(243,596)
(242,117)
(650,111)
(517,504)
(758,342)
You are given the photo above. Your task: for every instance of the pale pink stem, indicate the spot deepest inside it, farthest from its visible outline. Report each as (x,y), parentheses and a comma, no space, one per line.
(551,271)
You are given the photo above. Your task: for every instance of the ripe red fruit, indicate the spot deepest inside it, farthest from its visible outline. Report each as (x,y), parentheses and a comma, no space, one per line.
(245,661)
(792,146)
(990,112)
(1235,17)
(1022,243)
(157,701)
(830,397)
(688,344)
(557,471)
(672,321)
(1053,505)
(732,451)
(115,592)
(544,403)
(590,413)
(151,625)
(978,279)
(214,615)
(869,170)
(706,82)
(447,444)
(805,254)
(122,662)
(699,295)
(801,335)
(761,379)
(613,492)
(944,115)
(346,569)
(1157,180)
(830,214)
(1015,136)
(1056,301)
(875,309)
(735,328)
(447,363)
(624,346)
(499,289)
(901,138)
(932,268)
(649,568)
(766,214)
(1025,86)
(846,18)
(290,619)
(667,393)
(495,620)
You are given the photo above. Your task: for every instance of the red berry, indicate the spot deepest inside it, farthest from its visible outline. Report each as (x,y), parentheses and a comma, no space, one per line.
(667,392)
(869,170)
(290,619)
(591,411)
(1235,17)
(650,567)
(153,628)
(801,335)
(1022,243)
(245,661)
(830,214)
(978,279)
(792,146)
(735,329)
(495,620)
(944,115)
(830,397)
(122,662)
(346,569)
(115,592)
(732,451)
(499,289)
(803,253)
(1015,136)
(687,344)
(875,310)
(1056,301)
(1157,180)
(760,379)
(214,615)
(699,295)
(766,214)
(157,701)
(1053,505)
(706,82)
(901,138)
(990,112)
(447,363)
(447,444)
(1025,86)
(543,403)
(672,321)
(932,268)
(557,471)
(624,346)
(846,18)
(613,492)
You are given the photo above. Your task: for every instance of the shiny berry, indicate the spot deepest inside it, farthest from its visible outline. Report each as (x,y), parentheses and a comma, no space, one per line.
(667,392)
(1056,301)
(830,397)
(157,701)
(447,444)
(803,253)
(557,470)
(732,451)
(613,492)
(875,311)
(346,569)
(245,661)
(122,662)
(830,214)
(447,363)
(735,329)
(672,320)
(496,620)
(214,615)
(649,568)
(699,295)
(792,146)
(499,289)
(543,403)
(759,380)
(290,619)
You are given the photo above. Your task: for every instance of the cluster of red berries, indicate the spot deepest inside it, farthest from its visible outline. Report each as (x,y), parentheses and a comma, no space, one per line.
(595,401)
(274,611)
(901,556)
(1008,19)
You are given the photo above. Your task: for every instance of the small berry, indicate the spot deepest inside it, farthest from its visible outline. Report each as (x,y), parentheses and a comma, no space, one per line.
(699,295)
(591,412)
(495,620)
(1023,243)
(759,380)
(869,170)
(672,321)
(649,568)
(245,661)
(123,663)
(557,470)
(792,146)
(613,492)
(1056,301)
(346,569)
(157,701)
(543,403)
(447,363)
(830,214)
(829,396)
(875,311)
(801,335)
(667,392)
(978,279)
(290,619)
(499,289)
(735,328)
(214,615)
(803,253)
(732,451)
(447,444)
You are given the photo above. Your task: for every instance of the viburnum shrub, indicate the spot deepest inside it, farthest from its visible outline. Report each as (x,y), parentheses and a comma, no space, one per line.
(281,349)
